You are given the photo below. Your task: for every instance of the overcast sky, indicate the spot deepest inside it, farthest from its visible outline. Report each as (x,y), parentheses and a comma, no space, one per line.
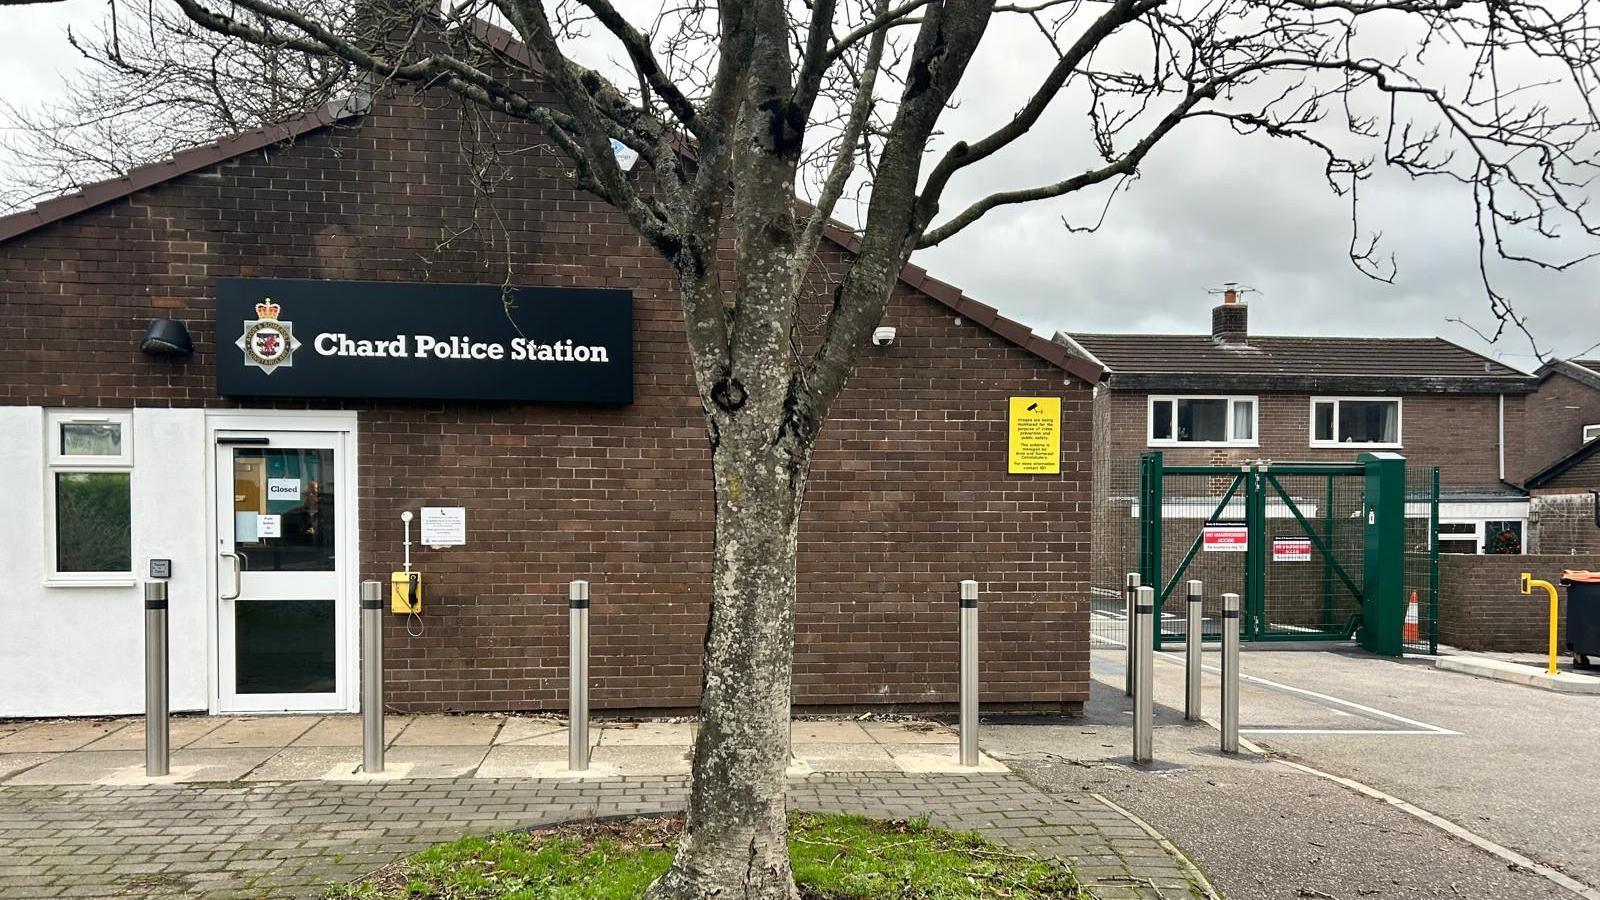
(1210,207)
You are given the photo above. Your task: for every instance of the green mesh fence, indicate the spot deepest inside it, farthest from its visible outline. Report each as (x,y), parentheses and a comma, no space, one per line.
(1422,559)
(1311,557)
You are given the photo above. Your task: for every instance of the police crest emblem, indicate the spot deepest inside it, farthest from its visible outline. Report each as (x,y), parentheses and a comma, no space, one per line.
(268,342)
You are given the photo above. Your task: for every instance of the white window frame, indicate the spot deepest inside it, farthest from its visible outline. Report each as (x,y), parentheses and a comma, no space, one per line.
(1399,422)
(57,463)
(1480,531)
(1233,399)
(1590,432)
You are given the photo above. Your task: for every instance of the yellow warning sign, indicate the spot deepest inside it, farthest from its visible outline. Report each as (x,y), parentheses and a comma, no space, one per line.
(1035,436)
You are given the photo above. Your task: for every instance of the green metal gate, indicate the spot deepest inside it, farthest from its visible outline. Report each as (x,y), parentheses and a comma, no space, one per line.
(1316,551)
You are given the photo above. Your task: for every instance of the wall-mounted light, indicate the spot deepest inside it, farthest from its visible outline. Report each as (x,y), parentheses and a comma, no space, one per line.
(166,337)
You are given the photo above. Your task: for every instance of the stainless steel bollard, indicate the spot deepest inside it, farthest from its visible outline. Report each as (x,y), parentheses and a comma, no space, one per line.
(1193,651)
(578,676)
(157,710)
(1144,659)
(1129,591)
(372,738)
(1230,673)
(969,673)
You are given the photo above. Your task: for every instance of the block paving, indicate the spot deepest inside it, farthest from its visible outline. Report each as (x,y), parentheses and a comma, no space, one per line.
(292,839)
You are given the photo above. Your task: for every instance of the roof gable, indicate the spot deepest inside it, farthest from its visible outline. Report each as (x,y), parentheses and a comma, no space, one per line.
(1563,465)
(228,148)
(1584,371)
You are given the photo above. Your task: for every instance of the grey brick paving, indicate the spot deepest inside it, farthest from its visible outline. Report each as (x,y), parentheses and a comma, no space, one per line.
(291,839)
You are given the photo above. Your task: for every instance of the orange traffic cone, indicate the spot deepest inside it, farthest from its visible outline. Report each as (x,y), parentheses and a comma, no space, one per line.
(1409,633)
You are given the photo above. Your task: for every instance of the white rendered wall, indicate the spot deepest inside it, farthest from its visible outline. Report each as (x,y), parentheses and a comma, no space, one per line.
(72,651)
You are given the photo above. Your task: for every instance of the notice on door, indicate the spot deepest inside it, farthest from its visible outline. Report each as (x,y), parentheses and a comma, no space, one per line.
(1225,537)
(283,489)
(1291,549)
(269,526)
(444,526)
(1035,447)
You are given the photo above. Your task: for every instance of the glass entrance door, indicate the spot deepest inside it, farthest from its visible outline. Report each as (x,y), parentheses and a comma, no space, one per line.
(281,536)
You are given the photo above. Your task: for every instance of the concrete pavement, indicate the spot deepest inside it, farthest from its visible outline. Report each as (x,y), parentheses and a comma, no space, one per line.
(328,748)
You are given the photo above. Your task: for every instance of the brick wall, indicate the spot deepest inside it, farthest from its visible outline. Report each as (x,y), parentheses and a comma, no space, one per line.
(1557,412)
(1457,432)
(1563,523)
(1480,607)
(909,492)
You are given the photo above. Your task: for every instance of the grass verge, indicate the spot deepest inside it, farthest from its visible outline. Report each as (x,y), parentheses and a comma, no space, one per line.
(834,858)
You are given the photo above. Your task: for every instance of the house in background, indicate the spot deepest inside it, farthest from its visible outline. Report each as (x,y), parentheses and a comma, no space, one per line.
(1228,397)
(1561,462)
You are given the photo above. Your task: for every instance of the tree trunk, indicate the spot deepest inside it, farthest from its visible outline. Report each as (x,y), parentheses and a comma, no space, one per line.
(735,839)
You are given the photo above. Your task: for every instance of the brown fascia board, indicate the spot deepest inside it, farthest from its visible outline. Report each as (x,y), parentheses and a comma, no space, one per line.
(181,163)
(980,314)
(1314,384)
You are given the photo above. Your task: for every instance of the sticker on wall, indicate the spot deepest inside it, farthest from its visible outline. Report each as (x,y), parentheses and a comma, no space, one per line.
(269,526)
(1225,537)
(1291,549)
(1035,445)
(444,526)
(283,489)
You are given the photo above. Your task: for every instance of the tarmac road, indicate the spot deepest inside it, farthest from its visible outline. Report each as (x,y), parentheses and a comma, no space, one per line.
(1516,765)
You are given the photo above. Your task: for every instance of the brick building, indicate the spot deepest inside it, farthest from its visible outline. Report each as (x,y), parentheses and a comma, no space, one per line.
(1230,396)
(1563,466)
(1563,413)
(271,464)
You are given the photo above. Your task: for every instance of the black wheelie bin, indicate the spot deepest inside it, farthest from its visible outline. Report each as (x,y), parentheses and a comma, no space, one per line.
(1583,615)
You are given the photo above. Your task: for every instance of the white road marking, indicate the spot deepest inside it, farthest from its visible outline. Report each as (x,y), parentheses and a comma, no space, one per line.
(1440,732)
(1416,727)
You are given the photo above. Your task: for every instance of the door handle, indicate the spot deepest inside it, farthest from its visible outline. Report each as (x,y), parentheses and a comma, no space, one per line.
(237,577)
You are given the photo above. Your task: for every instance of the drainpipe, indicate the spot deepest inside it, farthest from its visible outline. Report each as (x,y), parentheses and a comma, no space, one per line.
(1502,437)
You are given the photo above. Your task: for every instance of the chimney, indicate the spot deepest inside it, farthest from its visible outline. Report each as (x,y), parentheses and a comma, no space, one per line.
(1230,320)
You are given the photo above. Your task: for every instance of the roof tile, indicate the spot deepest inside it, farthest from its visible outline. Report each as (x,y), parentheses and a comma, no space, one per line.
(1273,355)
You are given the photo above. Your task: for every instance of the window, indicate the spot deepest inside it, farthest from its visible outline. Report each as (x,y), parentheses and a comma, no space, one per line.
(88,497)
(1502,537)
(1357,421)
(1214,421)
(1590,432)
(1480,536)
(1458,537)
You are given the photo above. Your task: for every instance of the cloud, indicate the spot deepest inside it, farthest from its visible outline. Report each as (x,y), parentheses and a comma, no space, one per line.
(1210,207)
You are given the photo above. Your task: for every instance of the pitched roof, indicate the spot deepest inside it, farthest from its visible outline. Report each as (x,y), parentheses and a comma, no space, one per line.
(1563,465)
(220,151)
(182,163)
(1298,363)
(1584,371)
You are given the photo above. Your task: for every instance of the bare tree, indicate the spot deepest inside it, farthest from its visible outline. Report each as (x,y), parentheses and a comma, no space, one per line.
(738,107)
(154,83)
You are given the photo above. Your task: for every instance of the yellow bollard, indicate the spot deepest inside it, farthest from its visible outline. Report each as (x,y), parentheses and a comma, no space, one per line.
(1528,584)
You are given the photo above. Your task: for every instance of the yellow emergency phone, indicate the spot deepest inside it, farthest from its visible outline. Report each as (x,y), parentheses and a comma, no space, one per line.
(405,593)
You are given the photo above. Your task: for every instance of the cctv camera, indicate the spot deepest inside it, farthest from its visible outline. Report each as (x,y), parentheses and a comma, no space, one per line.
(882,336)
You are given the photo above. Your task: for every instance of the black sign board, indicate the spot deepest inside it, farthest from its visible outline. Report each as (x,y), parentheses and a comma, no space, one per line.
(301,338)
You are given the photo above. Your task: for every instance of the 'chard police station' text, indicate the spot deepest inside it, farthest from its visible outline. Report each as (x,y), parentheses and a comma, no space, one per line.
(457,347)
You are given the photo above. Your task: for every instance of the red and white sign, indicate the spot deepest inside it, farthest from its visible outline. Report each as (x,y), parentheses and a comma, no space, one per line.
(1225,537)
(1291,549)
